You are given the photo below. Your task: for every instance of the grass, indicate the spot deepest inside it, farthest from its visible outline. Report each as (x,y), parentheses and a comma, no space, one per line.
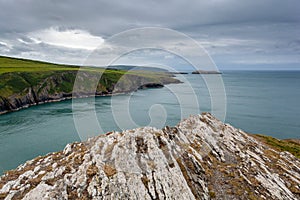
(8,64)
(17,76)
(282,145)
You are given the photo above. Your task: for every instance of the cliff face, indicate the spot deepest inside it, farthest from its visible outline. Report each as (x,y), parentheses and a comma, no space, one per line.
(22,89)
(200,158)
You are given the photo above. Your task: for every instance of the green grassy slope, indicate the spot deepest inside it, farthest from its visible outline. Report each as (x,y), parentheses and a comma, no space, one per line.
(25,82)
(8,64)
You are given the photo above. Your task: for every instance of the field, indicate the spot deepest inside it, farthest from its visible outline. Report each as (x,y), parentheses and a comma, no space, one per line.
(8,64)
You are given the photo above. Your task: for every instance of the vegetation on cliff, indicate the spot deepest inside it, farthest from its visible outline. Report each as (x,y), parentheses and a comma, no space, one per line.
(27,82)
(290,145)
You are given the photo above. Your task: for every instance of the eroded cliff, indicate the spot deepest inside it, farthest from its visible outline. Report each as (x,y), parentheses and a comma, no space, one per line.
(22,89)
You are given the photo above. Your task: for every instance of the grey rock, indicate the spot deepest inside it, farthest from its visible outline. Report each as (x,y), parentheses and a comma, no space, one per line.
(200,158)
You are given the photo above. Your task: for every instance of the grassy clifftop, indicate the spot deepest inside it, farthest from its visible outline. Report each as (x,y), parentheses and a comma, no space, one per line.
(27,82)
(8,64)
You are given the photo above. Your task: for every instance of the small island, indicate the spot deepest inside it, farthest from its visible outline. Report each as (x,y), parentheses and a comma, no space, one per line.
(205,72)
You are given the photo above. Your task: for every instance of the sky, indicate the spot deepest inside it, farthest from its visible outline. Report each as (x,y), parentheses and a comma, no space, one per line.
(235,34)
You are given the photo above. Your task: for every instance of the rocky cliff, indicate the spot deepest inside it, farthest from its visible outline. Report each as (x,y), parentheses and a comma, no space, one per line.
(22,89)
(200,158)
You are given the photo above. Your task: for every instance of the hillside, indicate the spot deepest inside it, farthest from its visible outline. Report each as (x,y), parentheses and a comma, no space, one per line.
(26,82)
(200,158)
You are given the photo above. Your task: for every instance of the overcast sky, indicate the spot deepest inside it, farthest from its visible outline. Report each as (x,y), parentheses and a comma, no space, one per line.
(254,34)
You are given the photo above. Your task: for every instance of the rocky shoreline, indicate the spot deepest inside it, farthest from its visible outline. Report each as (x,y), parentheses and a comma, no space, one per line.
(53,89)
(77,97)
(200,158)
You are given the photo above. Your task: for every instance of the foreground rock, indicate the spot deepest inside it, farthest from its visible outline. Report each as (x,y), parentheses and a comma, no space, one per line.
(200,158)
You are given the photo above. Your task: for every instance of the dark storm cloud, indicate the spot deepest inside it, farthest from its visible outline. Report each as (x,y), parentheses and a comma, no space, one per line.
(224,27)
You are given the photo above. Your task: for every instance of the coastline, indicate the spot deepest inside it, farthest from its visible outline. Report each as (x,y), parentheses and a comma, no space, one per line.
(81,97)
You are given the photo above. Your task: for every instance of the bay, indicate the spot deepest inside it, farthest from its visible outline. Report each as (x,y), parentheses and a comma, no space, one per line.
(265,102)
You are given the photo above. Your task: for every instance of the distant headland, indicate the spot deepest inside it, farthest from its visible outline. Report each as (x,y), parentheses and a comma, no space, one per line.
(205,72)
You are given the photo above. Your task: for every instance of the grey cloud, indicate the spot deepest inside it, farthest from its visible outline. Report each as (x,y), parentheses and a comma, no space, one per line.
(3,45)
(230,30)
(108,17)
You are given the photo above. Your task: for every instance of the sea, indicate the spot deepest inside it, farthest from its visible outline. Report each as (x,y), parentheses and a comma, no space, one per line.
(260,102)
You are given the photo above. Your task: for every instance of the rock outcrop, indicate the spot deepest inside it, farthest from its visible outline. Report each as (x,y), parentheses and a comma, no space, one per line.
(200,158)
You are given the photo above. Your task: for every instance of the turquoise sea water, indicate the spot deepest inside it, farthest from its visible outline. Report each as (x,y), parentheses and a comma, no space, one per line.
(257,102)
